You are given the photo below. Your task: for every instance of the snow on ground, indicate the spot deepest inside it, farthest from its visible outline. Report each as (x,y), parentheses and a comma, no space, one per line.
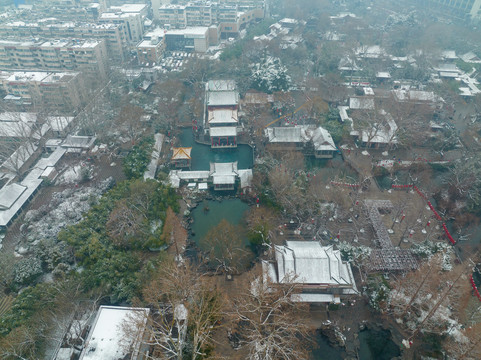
(74,174)
(65,208)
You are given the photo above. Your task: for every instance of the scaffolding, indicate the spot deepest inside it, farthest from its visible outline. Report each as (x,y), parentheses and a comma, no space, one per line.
(392,260)
(387,258)
(373,208)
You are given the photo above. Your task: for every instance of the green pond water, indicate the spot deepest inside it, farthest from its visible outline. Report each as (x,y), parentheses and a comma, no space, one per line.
(232,210)
(377,345)
(324,351)
(202,154)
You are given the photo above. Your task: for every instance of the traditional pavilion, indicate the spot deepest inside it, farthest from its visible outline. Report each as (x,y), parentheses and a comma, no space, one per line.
(181,157)
(319,270)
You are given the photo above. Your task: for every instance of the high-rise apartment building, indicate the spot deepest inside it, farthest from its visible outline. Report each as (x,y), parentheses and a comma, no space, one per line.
(230,18)
(88,56)
(462,9)
(54,92)
(113,34)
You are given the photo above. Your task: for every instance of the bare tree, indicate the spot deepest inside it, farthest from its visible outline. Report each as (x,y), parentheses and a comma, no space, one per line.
(185,309)
(269,322)
(129,122)
(226,248)
(174,233)
(418,298)
(171,94)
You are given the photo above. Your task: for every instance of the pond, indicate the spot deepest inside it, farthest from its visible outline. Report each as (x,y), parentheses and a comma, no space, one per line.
(378,345)
(232,210)
(325,351)
(202,154)
(374,345)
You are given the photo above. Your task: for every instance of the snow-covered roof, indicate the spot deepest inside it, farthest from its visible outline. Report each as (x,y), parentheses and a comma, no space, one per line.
(219,169)
(364,103)
(223,179)
(287,134)
(322,140)
(82,142)
(343,113)
(7,215)
(221,85)
(383,75)
(197,32)
(181,153)
(159,140)
(222,98)
(31,182)
(223,131)
(381,133)
(59,123)
(222,116)
(373,51)
(313,264)
(245,178)
(447,68)
(449,55)
(107,340)
(9,194)
(320,137)
(368,91)
(447,74)
(11,116)
(19,157)
(316,298)
(471,57)
(129,8)
(415,95)
(20,129)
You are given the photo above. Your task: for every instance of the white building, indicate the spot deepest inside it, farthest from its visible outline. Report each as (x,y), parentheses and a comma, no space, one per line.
(319,270)
(109,341)
(195,39)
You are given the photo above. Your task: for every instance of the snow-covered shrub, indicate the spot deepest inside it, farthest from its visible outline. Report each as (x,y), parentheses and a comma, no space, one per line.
(27,270)
(428,248)
(352,253)
(270,75)
(52,253)
(378,293)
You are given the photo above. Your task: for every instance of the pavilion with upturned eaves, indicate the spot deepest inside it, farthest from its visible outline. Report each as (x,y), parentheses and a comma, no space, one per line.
(181,157)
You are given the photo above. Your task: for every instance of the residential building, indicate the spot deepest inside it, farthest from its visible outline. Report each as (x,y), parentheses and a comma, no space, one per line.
(54,91)
(195,39)
(231,18)
(462,9)
(141,9)
(319,270)
(150,52)
(132,24)
(113,34)
(88,56)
